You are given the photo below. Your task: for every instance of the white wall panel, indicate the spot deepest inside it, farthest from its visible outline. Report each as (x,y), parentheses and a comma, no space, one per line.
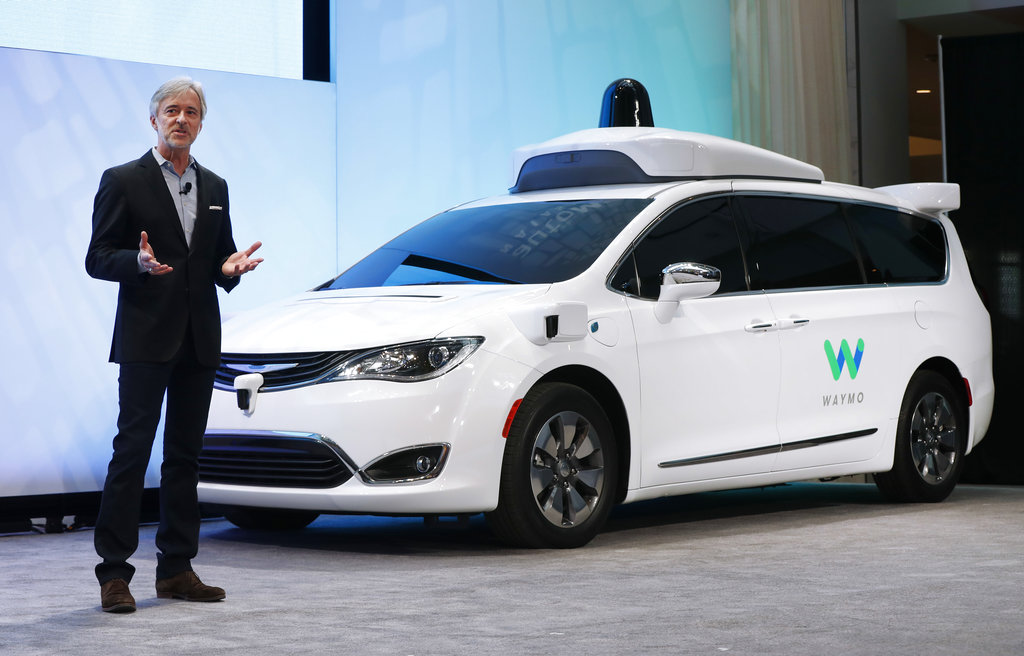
(66,119)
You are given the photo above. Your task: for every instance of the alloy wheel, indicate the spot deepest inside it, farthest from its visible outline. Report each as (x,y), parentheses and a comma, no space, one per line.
(567,469)
(933,432)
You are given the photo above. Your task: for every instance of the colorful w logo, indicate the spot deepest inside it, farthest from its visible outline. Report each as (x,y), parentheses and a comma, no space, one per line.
(852,360)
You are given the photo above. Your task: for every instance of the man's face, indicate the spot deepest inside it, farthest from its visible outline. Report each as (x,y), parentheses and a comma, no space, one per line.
(177,121)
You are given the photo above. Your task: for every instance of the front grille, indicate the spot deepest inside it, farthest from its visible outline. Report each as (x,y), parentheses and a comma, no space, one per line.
(272,460)
(308,368)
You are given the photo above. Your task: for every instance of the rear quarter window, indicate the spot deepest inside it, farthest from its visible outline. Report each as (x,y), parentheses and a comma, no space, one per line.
(899,247)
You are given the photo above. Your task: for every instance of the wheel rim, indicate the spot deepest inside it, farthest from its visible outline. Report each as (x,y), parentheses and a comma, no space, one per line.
(567,469)
(933,438)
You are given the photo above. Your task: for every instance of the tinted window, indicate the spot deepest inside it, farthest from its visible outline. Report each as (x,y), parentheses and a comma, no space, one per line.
(799,242)
(899,247)
(511,243)
(702,232)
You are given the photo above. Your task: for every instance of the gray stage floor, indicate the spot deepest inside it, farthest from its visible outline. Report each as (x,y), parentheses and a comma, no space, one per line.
(801,569)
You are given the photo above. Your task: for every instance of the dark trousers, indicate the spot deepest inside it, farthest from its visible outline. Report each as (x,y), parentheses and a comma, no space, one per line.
(141,388)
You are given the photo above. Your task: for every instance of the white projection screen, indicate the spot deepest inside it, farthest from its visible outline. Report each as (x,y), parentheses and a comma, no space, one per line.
(68,117)
(262,37)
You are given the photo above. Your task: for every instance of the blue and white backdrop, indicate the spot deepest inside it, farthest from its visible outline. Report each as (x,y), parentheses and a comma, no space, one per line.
(429,98)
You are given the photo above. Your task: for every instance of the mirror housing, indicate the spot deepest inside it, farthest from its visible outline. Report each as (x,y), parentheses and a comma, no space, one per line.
(683,281)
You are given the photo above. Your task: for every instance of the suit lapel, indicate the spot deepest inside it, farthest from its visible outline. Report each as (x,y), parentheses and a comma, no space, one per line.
(165,205)
(203,221)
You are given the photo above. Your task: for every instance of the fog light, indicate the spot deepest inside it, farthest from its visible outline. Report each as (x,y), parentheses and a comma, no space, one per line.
(415,463)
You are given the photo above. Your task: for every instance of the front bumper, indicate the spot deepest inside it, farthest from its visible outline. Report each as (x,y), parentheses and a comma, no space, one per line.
(343,427)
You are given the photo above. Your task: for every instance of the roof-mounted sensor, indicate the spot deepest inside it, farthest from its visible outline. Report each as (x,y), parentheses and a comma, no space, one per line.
(627,149)
(626,105)
(602,156)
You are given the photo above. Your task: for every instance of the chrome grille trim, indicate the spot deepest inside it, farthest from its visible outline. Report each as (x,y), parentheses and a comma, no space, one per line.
(280,371)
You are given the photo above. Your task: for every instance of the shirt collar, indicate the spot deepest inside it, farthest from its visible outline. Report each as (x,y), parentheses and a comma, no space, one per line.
(161,160)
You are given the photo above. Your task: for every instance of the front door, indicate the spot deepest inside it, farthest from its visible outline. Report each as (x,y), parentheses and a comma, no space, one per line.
(709,374)
(709,389)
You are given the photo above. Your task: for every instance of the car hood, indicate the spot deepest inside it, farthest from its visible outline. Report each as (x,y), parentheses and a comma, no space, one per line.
(352,319)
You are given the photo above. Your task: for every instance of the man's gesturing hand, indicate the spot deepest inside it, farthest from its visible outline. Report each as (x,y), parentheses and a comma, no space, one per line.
(148,260)
(240,262)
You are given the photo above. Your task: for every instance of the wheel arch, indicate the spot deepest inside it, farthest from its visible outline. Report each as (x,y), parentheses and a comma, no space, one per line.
(948,370)
(601,388)
(917,475)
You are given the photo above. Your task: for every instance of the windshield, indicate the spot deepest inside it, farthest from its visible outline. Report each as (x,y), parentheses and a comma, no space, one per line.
(513,243)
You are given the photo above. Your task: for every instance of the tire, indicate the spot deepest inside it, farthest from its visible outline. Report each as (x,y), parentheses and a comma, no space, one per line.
(931,438)
(559,472)
(268,519)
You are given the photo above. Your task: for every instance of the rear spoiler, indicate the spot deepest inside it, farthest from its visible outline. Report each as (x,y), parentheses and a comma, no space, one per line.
(929,197)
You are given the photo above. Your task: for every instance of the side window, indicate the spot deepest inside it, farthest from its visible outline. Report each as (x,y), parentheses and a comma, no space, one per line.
(899,247)
(702,231)
(799,242)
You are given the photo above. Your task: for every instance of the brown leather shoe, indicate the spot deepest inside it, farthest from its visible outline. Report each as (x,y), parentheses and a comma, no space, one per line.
(116,598)
(187,586)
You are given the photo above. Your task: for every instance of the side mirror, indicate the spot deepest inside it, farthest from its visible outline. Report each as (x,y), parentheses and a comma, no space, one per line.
(682,281)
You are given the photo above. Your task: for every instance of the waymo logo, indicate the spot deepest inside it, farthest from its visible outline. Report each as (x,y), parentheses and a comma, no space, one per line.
(845,357)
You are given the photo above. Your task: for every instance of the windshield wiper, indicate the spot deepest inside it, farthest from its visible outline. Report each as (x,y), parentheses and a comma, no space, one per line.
(452,282)
(461,270)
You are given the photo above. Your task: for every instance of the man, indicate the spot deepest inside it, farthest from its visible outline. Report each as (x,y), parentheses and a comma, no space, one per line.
(161,230)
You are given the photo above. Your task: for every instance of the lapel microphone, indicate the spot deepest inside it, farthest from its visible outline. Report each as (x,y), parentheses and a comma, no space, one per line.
(188,188)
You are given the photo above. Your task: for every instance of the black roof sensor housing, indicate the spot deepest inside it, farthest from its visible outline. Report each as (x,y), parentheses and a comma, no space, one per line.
(626,105)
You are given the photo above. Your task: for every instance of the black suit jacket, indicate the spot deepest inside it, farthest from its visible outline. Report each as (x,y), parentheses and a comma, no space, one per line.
(153,312)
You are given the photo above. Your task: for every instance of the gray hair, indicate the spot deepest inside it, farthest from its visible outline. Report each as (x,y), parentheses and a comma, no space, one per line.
(175,86)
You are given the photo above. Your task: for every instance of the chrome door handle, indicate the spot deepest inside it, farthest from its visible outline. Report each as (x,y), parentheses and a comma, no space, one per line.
(760,326)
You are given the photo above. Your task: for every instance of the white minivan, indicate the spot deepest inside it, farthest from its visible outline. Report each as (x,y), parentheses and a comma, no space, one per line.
(646,312)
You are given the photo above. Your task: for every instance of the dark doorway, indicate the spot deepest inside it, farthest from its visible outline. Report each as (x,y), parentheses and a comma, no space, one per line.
(983,93)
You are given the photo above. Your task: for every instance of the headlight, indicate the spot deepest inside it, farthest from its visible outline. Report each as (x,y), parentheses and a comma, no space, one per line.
(409,362)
